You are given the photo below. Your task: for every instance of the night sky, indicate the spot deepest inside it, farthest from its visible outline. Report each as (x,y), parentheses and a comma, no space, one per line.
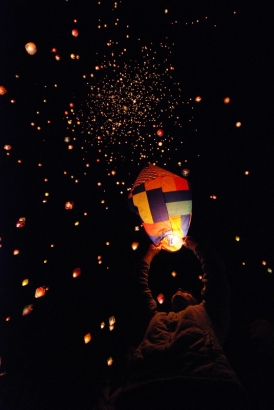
(79,120)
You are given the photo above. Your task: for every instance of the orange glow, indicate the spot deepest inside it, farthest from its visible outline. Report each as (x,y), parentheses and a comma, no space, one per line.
(161,298)
(87,338)
(76,272)
(40,292)
(134,245)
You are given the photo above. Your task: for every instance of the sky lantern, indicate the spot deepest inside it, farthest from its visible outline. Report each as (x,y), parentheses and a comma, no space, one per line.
(75,33)
(40,292)
(25,282)
(134,245)
(161,298)
(27,310)
(16,252)
(76,272)
(69,205)
(160,132)
(198,98)
(109,361)
(31,48)
(238,124)
(54,50)
(226,100)
(3,90)
(7,147)
(21,223)
(185,172)
(87,338)
(163,202)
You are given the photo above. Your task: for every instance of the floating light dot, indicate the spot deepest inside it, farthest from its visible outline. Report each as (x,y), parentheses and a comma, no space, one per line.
(3,90)
(16,252)
(269,270)
(161,298)
(109,361)
(185,172)
(87,338)
(25,282)
(173,273)
(76,272)
(263,262)
(134,245)
(237,238)
(40,292)
(31,48)
(198,98)
(238,124)
(69,205)
(102,325)
(226,100)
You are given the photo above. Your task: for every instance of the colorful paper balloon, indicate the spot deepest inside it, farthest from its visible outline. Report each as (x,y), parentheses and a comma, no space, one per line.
(164,203)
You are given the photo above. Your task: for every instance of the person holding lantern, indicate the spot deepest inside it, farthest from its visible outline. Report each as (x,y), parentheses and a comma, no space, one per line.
(180,363)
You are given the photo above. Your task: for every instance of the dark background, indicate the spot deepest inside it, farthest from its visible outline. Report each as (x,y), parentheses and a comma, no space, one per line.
(45,363)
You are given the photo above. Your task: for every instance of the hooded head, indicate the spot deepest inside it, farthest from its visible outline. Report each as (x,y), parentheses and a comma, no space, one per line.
(181,300)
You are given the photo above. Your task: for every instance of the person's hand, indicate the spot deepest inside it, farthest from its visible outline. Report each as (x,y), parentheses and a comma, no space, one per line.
(151,252)
(189,243)
(154,249)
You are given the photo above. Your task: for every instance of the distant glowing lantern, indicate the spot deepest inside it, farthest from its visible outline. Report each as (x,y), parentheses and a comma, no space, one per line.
(54,50)
(97,67)
(160,132)
(87,338)
(163,202)
(16,252)
(40,292)
(125,108)
(7,147)
(74,33)
(238,124)
(25,282)
(27,310)
(57,57)
(3,90)
(237,238)
(76,272)
(226,100)
(109,361)
(198,99)
(31,48)
(69,205)
(102,325)
(185,172)
(111,320)
(113,172)
(161,298)
(134,245)
(173,273)
(71,104)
